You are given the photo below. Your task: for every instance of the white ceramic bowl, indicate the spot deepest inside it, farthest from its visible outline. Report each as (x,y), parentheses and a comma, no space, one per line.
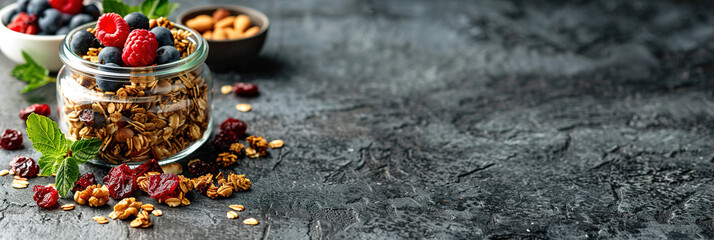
(43,49)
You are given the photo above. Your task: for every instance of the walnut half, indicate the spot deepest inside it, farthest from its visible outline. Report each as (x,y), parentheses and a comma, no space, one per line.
(95,195)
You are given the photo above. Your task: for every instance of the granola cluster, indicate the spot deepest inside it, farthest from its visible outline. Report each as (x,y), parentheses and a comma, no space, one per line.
(226,186)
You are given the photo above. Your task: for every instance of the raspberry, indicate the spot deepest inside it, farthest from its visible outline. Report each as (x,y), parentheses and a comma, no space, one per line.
(112,30)
(140,48)
(24,23)
(67,6)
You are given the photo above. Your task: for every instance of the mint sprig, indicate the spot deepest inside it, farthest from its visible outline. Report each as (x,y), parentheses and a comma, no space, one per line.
(33,73)
(150,8)
(60,155)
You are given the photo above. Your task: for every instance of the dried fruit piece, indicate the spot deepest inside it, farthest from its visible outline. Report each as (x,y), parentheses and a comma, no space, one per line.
(235,126)
(163,186)
(199,168)
(250,221)
(24,166)
(84,181)
(41,109)
(224,139)
(120,181)
(87,117)
(150,166)
(11,140)
(45,196)
(245,89)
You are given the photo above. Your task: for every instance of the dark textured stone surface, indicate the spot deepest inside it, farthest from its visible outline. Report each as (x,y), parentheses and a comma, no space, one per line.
(451,119)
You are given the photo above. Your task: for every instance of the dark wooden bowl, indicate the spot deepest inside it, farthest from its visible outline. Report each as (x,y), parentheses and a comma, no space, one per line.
(224,55)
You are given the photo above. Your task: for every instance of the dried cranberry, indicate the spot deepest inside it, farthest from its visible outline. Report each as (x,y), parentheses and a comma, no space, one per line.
(41,109)
(45,197)
(245,89)
(163,186)
(87,116)
(120,181)
(223,140)
(84,181)
(150,166)
(24,166)
(200,168)
(11,140)
(234,125)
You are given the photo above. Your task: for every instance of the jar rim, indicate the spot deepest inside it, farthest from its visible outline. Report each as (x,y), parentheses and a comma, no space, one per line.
(190,62)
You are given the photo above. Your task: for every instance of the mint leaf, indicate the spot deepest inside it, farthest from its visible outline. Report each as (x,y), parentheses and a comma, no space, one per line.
(116,6)
(67,174)
(49,164)
(46,136)
(85,149)
(158,8)
(34,74)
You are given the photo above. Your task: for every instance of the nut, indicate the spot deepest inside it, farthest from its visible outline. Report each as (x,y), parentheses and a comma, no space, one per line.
(5,171)
(241,23)
(226,22)
(157,212)
(226,89)
(232,215)
(250,221)
(127,207)
(200,23)
(147,207)
(251,31)
(95,195)
(237,207)
(100,220)
(174,168)
(123,135)
(276,144)
(67,207)
(243,107)
(220,14)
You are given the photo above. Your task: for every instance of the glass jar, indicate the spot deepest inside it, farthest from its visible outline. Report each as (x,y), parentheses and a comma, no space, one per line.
(154,112)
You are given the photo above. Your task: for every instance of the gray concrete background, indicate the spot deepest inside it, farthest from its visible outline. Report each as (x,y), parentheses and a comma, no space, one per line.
(449,120)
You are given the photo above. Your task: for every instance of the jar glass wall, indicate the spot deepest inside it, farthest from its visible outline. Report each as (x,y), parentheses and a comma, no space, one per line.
(139,113)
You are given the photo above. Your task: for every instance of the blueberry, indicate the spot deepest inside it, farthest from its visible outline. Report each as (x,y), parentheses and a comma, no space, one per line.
(81,42)
(105,84)
(91,10)
(22,5)
(36,7)
(63,30)
(163,36)
(110,55)
(137,20)
(66,18)
(79,19)
(167,54)
(9,16)
(50,21)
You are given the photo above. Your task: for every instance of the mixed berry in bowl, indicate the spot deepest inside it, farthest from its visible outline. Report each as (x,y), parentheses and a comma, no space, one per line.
(49,17)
